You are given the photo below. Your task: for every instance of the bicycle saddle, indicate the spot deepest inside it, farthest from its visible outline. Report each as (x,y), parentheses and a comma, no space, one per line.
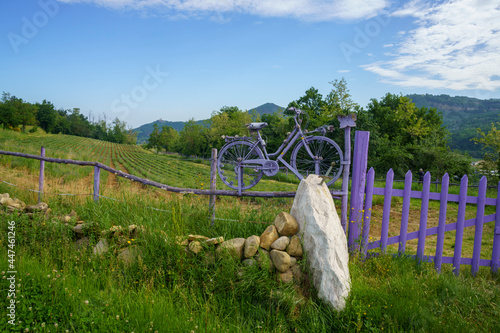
(256,126)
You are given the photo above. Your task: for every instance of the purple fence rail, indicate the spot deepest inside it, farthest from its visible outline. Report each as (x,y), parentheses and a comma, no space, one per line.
(481,201)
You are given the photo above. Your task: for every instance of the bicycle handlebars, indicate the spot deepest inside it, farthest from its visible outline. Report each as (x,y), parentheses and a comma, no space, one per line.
(294,109)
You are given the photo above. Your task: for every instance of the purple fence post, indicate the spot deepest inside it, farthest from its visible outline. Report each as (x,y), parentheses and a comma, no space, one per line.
(240,179)
(423,215)
(387,210)
(405,214)
(495,255)
(368,209)
(442,222)
(41,176)
(97,173)
(359,165)
(345,178)
(213,179)
(459,236)
(478,235)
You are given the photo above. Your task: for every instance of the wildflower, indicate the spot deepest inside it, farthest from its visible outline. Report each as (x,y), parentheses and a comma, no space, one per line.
(117,317)
(128,242)
(29,308)
(86,302)
(43,324)
(56,325)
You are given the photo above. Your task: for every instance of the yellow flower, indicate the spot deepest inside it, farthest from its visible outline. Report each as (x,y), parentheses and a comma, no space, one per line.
(128,242)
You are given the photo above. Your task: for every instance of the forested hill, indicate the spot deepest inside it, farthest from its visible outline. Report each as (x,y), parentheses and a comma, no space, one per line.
(145,130)
(462,116)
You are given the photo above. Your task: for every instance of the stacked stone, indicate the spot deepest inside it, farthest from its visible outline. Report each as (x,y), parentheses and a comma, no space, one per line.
(278,248)
(284,245)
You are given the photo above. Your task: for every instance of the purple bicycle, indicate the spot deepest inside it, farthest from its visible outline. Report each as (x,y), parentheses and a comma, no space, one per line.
(244,160)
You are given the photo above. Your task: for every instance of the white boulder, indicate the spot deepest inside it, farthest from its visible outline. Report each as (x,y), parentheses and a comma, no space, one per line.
(323,240)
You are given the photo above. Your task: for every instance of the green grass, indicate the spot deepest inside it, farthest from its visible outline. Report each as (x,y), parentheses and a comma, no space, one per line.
(171,291)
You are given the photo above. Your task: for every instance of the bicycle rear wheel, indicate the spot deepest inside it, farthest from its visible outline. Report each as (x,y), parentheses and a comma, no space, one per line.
(326,154)
(230,160)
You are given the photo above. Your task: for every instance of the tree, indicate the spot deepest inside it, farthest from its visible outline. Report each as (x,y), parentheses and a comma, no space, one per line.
(490,140)
(194,140)
(8,116)
(338,101)
(404,137)
(118,132)
(78,124)
(276,130)
(46,116)
(154,138)
(168,138)
(312,104)
(14,112)
(229,120)
(62,122)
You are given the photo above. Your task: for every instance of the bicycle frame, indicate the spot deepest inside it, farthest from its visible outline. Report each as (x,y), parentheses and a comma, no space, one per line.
(284,147)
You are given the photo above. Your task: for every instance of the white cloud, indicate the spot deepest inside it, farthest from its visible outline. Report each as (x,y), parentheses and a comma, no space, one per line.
(316,10)
(456,45)
(343,70)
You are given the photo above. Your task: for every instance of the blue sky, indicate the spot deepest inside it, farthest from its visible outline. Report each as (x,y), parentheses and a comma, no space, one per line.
(141,60)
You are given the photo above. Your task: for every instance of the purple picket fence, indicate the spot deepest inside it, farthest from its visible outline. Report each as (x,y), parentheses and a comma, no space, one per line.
(481,201)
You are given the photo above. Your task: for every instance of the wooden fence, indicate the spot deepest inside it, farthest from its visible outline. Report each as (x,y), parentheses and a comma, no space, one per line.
(360,227)
(212,192)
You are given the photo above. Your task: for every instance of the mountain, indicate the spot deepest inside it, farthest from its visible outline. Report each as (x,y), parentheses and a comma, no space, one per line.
(145,130)
(462,116)
(268,108)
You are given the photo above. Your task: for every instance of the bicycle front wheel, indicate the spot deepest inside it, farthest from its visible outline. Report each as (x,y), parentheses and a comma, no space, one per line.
(230,162)
(326,153)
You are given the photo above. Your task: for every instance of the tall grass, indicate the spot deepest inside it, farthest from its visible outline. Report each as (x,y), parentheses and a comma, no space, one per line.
(169,290)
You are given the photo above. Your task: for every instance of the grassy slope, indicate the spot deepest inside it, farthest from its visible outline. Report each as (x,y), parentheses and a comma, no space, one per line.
(171,291)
